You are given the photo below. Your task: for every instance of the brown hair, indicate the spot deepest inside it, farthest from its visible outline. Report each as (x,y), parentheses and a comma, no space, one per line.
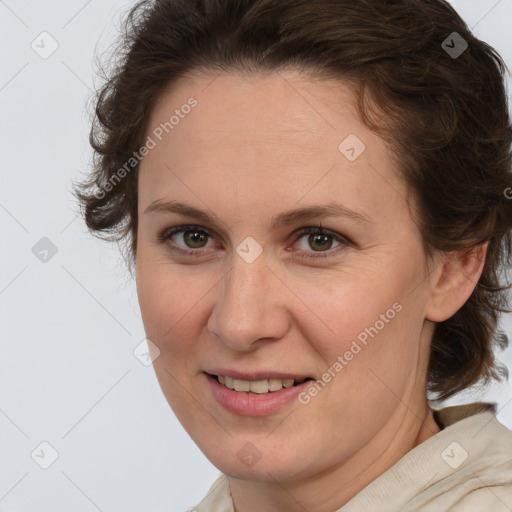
(446,120)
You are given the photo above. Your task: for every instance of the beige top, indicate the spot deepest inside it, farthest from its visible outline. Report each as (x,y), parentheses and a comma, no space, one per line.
(466,467)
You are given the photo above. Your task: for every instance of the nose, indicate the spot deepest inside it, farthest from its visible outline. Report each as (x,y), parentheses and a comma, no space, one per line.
(250,306)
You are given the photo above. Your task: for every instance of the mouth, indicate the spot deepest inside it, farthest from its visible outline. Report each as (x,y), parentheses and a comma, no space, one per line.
(260,387)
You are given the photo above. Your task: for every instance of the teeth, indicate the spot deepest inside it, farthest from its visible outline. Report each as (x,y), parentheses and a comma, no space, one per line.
(288,383)
(241,385)
(256,386)
(275,384)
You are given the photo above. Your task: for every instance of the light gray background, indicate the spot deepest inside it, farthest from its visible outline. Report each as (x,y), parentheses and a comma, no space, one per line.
(68,375)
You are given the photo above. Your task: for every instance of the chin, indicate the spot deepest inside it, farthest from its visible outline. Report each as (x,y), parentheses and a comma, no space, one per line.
(277,468)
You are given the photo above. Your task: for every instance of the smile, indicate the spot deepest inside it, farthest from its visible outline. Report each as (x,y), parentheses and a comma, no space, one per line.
(257,386)
(258,397)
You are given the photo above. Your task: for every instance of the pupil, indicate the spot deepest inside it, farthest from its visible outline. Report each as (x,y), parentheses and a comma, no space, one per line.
(195,239)
(322,242)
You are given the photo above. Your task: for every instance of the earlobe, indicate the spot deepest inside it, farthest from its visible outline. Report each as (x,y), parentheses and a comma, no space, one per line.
(454,284)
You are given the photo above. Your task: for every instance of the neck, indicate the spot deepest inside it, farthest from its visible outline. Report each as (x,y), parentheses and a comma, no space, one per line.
(335,486)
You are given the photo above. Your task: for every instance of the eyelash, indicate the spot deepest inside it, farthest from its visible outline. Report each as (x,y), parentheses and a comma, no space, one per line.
(167,234)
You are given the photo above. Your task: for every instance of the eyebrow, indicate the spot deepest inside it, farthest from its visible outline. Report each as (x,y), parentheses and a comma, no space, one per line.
(283,219)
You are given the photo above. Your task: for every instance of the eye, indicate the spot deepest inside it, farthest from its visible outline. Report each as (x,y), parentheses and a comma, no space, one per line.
(186,239)
(312,241)
(320,240)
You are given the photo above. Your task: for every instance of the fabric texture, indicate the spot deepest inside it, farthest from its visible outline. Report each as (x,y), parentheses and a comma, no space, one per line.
(466,467)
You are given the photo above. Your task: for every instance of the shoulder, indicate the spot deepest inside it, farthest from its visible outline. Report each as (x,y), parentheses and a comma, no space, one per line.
(465,465)
(497,498)
(217,499)
(475,452)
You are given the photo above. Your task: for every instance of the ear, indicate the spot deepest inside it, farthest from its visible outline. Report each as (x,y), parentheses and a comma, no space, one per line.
(455,281)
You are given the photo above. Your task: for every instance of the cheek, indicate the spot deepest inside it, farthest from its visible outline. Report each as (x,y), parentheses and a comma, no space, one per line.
(167,300)
(348,308)
(170,307)
(373,325)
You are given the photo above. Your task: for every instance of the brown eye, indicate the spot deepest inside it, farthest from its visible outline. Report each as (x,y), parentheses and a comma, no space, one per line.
(186,239)
(320,242)
(313,241)
(195,239)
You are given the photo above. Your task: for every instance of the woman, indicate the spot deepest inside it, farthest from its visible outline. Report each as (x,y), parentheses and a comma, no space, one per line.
(315,199)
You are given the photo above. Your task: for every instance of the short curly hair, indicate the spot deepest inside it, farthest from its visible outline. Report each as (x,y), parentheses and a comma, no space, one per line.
(447,121)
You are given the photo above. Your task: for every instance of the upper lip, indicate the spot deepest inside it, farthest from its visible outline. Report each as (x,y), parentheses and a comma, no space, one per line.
(253,376)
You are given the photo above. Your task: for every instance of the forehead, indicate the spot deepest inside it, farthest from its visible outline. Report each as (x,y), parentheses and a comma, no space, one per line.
(278,106)
(276,132)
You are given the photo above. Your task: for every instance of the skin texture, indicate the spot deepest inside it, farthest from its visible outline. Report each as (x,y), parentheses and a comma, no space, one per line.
(254,147)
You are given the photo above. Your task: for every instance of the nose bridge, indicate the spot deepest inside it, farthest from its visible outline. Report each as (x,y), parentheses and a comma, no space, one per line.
(245,307)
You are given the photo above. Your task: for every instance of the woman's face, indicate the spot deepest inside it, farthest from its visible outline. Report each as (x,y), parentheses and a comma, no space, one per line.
(244,169)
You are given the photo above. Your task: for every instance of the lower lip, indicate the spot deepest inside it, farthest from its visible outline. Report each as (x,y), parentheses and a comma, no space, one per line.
(253,404)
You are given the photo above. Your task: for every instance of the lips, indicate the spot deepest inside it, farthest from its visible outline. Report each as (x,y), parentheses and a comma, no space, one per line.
(257,402)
